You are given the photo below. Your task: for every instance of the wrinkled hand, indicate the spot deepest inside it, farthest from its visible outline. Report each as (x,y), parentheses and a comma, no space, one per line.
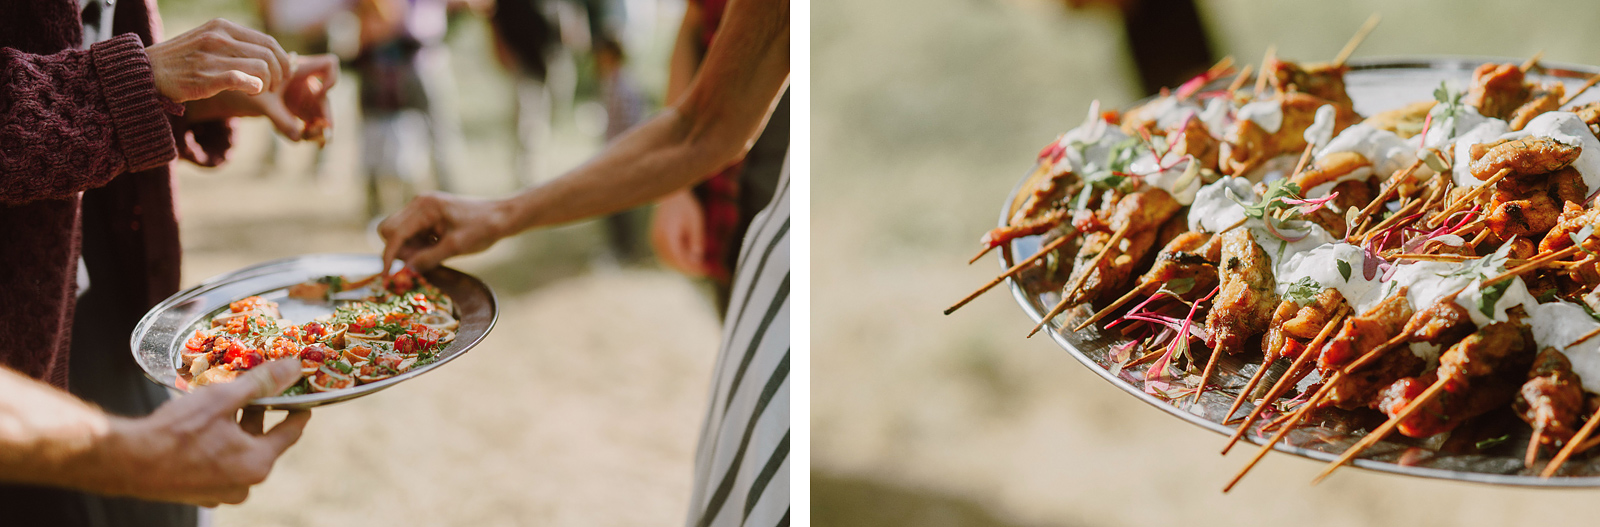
(436,226)
(216,57)
(678,233)
(299,110)
(192,450)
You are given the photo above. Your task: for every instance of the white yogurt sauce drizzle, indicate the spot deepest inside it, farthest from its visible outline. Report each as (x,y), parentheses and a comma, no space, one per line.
(1557,324)
(1266,114)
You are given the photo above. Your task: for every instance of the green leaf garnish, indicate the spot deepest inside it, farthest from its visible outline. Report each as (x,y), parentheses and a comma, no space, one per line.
(1489,296)
(1344,269)
(1303,291)
(1179,286)
(1492,442)
(1581,236)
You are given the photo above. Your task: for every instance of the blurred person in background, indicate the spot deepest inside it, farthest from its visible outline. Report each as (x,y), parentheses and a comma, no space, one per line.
(94,107)
(698,231)
(300,26)
(625,107)
(536,41)
(409,119)
(742,464)
(1166,39)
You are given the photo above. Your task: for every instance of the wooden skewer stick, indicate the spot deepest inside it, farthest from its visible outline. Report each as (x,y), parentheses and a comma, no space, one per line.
(1147,357)
(1531,265)
(1239,80)
(1574,95)
(1245,393)
(1221,66)
(1135,293)
(1205,375)
(1066,294)
(1393,187)
(1266,61)
(1383,430)
(1355,41)
(1470,197)
(1288,426)
(1585,338)
(1572,445)
(1304,157)
(1283,383)
(1533,442)
(1452,258)
(1298,416)
(981,253)
(1053,245)
(1591,443)
(1393,219)
(1532,61)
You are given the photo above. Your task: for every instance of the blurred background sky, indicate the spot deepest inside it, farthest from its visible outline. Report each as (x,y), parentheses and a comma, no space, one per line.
(925,114)
(581,408)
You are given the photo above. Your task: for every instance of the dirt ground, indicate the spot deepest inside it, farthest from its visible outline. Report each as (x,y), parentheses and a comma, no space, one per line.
(581,408)
(925,114)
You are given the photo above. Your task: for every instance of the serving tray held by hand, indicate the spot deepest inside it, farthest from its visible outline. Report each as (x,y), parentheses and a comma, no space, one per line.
(1374,85)
(160,335)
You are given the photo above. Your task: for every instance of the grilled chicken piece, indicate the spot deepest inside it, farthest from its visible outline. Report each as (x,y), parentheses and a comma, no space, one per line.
(1324,80)
(1497,90)
(1047,194)
(1330,168)
(1309,320)
(1527,156)
(1244,306)
(1553,395)
(1367,387)
(1574,217)
(1473,369)
(1292,320)
(1406,121)
(1247,145)
(1028,227)
(1529,213)
(1590,113)
(1143,213)
(1362,333)
(1545,96)
(1193,139)
(1443,322)
(1183,257)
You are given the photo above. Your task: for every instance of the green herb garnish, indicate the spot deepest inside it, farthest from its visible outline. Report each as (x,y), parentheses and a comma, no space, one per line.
(1303,291)
(1492,442)
(1344,269)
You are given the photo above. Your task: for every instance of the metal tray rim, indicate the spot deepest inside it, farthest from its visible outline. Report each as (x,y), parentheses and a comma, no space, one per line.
(317,399)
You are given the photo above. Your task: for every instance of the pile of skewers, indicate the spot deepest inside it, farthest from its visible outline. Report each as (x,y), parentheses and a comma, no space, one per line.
(1429,264)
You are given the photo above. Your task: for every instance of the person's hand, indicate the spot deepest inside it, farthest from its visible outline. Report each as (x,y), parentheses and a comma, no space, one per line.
(216,57)
(436,226)
(299,110)
(678,233)
(192,450)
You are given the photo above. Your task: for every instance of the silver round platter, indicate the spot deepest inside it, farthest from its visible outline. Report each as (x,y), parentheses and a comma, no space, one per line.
(1374,85)
(161,334)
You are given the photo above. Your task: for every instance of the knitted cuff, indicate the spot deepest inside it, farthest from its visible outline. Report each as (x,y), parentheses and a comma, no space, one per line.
(136,108)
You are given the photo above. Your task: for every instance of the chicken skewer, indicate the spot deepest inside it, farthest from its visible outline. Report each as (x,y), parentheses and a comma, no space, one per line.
(1486,351)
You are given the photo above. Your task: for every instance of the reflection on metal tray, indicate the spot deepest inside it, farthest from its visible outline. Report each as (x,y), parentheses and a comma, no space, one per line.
(1374,85)
(159,337)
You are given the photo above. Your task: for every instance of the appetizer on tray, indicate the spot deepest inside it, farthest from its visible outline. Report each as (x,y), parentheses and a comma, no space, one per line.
(378,329)
(1423,266)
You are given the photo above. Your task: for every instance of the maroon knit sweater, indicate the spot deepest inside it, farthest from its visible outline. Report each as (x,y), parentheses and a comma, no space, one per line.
(85,142)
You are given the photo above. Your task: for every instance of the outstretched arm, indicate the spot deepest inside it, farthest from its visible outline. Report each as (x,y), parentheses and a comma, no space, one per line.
(190,450)
(713,125)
